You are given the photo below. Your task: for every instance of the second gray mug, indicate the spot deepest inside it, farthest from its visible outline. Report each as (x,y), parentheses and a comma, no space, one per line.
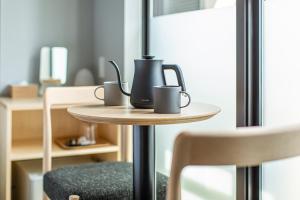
(167,99)
(112,94)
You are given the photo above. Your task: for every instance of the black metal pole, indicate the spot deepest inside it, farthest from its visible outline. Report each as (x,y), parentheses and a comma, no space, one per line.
(145,27)
(249,86)
(144,163)
(144,175)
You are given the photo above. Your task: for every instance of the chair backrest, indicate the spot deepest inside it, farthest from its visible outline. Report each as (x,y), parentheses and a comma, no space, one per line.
(242,147)
(61,96)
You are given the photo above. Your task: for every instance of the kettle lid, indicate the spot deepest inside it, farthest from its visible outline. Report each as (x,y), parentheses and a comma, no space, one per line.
(148,58)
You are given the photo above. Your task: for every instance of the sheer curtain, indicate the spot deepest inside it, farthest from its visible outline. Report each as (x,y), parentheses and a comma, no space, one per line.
(202,43)
(281,179)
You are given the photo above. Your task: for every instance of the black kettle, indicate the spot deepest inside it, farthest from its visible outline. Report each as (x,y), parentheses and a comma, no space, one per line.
(148,72)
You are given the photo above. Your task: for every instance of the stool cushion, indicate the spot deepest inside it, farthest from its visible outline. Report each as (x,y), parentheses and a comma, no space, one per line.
(97,181)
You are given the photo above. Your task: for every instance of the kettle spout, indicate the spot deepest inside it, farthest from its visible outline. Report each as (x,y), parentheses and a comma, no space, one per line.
(114,64)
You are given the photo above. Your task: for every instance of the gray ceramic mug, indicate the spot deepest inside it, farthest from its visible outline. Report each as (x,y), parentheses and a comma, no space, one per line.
(167,99)
(112,94)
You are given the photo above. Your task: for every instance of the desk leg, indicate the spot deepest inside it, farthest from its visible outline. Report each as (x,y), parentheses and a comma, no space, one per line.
(144,163)
(249,183)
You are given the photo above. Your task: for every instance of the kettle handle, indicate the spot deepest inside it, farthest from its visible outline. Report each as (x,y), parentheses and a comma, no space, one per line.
(178,72)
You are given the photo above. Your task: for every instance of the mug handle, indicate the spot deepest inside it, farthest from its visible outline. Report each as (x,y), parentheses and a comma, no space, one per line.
(95,92)
(186,95)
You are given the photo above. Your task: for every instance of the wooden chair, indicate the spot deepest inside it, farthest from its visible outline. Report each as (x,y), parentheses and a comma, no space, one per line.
(86,181)
(244,147)
(61,96)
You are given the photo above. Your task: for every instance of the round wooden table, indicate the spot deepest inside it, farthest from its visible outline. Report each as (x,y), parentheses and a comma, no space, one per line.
(143,121)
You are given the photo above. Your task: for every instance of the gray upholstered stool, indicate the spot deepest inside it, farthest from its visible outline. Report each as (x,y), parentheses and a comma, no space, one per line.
(107,180)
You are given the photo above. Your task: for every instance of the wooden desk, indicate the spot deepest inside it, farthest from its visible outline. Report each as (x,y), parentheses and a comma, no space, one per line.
(21,128)
(143,121)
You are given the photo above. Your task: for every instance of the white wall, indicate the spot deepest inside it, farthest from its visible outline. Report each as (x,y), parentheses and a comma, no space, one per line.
(203,44)
(89,29)
(132,36)
(109,35)
(28,25)
(281,180)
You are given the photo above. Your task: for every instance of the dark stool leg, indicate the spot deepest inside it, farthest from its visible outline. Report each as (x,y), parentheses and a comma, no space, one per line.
(144,163)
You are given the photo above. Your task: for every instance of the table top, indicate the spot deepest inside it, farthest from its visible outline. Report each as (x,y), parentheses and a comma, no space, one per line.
(124,115)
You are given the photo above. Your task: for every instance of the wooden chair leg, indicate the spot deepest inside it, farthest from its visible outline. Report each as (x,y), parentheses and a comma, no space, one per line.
(74,197)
